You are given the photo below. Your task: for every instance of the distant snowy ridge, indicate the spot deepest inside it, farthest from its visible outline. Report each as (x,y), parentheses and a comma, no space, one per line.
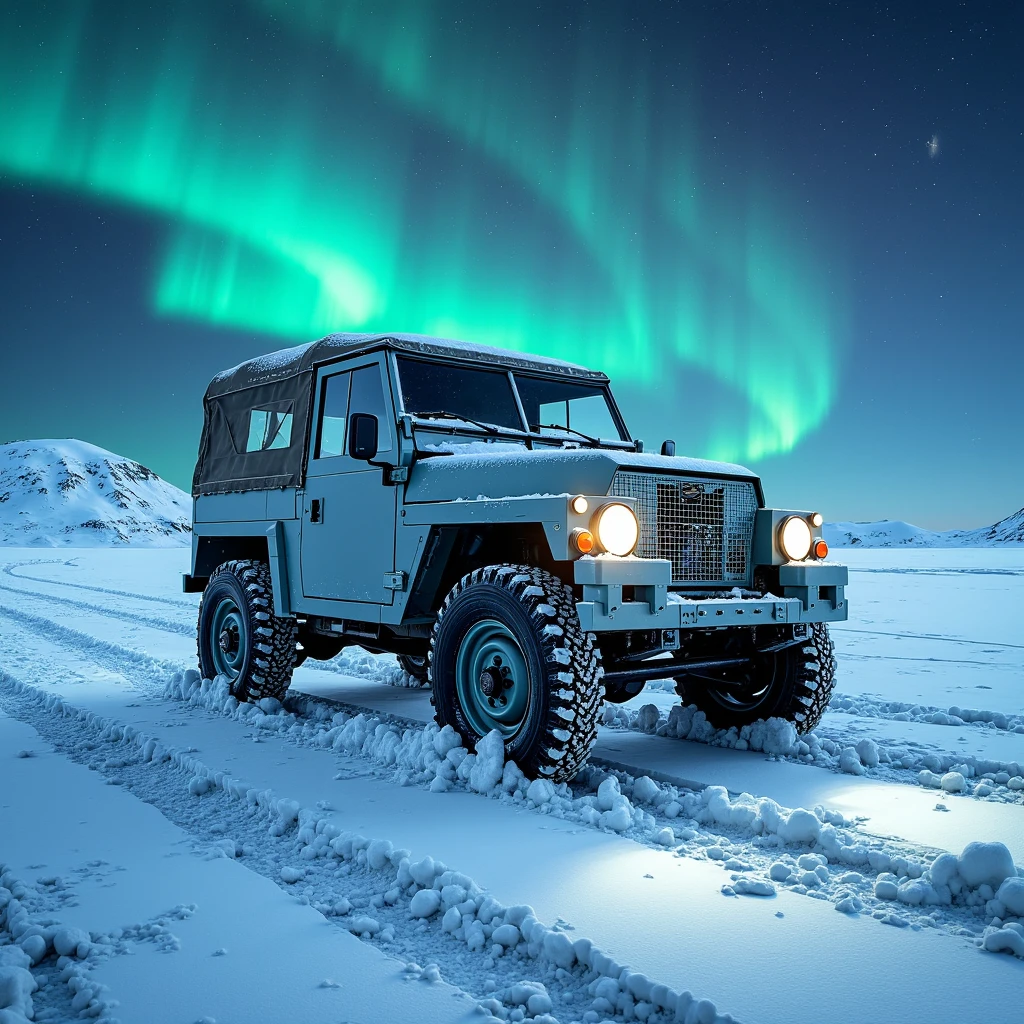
(68,493)
(894,533)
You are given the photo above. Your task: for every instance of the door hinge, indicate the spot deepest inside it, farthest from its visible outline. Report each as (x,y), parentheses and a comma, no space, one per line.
(399,474)
(394,581)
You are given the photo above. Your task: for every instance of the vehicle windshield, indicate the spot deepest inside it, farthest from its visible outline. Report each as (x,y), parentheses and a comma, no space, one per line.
(557,407)
(461,398)
(443,392)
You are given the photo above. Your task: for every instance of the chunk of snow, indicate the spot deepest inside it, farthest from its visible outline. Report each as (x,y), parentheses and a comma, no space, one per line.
(985,863)
(849,761)
(867,751)
(425,903)
(953,782)
(801,826)
(1004,940)
(753,887)
(540,791)
(506,935)
(645,789)
(1011,895)
(607,792)
(363,925)
(490,763)
(66,941)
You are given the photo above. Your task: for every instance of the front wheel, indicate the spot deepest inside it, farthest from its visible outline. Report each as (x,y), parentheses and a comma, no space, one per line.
(795,683)
(240,637)
(507,653)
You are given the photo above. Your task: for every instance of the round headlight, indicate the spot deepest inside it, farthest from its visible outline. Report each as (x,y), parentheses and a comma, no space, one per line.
(617,529)
(795,538)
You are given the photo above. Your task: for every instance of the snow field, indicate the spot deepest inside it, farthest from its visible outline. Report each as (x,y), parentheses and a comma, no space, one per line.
(48,658)
(742,833)
(419,905)
(39,955)
(235,946)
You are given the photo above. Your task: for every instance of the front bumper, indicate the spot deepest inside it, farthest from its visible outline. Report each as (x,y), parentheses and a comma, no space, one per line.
(811,592)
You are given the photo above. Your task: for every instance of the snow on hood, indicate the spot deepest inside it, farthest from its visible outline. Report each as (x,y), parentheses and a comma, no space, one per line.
(68,493)
(500,470)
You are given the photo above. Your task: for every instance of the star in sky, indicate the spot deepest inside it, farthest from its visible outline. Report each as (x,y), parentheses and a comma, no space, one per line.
(933,146)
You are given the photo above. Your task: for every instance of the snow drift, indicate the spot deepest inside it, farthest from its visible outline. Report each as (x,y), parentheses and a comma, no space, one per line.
(894,533)
(69,493)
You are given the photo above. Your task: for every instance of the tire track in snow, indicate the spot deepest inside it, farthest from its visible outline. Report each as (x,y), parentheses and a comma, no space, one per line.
(122,660)
(10,571)
(164,625)
(839,629)
(706,825)
(491,952)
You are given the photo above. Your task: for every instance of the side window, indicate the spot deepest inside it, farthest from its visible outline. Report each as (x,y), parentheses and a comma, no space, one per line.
(269,429)
(368,396)
(333,416)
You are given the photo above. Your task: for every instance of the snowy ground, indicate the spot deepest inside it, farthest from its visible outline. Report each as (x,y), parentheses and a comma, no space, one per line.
(340,859)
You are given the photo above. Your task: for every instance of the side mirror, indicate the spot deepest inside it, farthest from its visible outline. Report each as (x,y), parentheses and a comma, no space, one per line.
(362,436)
(668,447)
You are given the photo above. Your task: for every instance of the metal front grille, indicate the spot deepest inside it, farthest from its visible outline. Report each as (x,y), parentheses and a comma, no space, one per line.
(704,527)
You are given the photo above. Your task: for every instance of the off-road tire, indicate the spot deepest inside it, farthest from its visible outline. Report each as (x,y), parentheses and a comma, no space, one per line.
(270,653)
(417,667)
(560,724)
(800,694)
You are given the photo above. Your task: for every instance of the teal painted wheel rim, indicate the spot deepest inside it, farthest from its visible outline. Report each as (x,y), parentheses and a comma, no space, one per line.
(228,638)
(492,681)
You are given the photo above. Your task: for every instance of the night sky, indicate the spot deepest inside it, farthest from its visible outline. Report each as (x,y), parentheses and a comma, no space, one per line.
(794,238)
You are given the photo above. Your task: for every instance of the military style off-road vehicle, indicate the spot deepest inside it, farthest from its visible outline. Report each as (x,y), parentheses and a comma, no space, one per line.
(486,516)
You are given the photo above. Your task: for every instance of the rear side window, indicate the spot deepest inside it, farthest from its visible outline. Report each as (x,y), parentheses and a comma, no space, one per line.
(269,429)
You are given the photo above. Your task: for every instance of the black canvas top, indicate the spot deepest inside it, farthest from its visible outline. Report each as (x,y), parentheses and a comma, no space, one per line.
(302,358)
(279,385)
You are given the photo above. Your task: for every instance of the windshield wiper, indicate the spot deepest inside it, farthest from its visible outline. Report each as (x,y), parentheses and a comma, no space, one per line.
(595,442)
(444,414)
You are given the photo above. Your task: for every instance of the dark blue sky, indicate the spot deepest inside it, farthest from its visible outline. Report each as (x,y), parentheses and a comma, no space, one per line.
(794,238)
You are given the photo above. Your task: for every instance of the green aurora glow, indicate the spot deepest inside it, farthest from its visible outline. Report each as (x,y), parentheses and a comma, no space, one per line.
(410,170)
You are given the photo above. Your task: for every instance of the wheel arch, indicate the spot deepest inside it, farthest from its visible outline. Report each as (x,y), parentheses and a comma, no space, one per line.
(453,551)
(212,550)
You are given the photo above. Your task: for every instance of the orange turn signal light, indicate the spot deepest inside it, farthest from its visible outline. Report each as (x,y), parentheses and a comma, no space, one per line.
(820,549)
(584,541)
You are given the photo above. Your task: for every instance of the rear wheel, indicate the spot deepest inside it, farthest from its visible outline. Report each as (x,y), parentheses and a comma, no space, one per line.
(795,683)
(240,638)
(508,653)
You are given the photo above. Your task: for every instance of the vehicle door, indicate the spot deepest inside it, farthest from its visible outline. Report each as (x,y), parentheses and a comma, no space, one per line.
(348,520)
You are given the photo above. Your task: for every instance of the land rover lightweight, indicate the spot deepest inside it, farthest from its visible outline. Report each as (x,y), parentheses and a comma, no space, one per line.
(486,516)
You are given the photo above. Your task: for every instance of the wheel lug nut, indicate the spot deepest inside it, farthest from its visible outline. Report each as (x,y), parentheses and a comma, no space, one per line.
(490,700)
(502,700)
(497,659)
(504,670)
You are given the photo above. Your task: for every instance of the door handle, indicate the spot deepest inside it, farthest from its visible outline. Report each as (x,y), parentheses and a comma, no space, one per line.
(316,510)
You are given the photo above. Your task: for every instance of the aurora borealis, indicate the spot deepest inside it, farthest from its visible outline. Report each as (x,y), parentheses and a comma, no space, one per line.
(564,178)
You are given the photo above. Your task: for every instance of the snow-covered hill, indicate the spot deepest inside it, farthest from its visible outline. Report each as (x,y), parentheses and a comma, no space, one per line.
(892,533)
(74,494)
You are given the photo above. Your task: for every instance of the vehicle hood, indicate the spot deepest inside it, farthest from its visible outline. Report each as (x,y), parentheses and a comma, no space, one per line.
(512,470)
